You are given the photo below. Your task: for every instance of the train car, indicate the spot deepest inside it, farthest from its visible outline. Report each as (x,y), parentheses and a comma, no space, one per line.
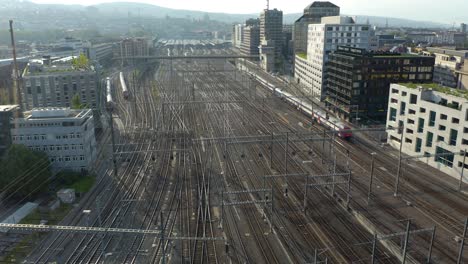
(322,118)
(124,86)
(109,100)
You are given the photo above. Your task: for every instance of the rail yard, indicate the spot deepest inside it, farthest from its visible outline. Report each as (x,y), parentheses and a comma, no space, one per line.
(204,163)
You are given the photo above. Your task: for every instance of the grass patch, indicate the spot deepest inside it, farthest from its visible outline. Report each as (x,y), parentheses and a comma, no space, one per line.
(53,217)
(83,185)
(22,249)
(302,55)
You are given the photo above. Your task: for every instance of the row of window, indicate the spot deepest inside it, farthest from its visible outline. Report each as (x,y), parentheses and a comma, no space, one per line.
(44,137)
(58,147)
(67,158)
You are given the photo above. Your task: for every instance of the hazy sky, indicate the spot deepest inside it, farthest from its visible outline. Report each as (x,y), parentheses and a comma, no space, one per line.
(447,11)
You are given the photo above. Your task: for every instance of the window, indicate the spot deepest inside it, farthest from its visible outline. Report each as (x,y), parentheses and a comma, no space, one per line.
(402,108)
(432,118)
(429,139)
(442,128)
(409,131)
(440,139)
(411,112)
(464,142)
(393,114)
(465,130)
(444,157)
(395,91)
(418,145)
(410,121)
(443,117)
(404,93)
(420,125)
(413,99)
(455,120)
(422,110)
(407,140)
(453,137)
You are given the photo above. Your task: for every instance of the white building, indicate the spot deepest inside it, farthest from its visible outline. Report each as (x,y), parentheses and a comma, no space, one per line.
(435,121)
(238,38)
(322,40)
(67,136)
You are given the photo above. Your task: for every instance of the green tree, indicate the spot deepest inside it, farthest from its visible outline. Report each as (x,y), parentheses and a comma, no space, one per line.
(23,172)
(81,62)
(76,102)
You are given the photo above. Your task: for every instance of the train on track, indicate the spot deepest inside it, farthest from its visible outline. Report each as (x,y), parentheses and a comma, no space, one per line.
(125,92)
(109,100)
(318,115)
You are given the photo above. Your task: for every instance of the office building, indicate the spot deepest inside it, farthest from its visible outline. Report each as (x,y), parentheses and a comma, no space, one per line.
(238,35)
(101,53)
(358,80)
(251,40)
(324,38)
(132,47)
(435,122)
(271,29)
(448,61)
(463,28)
(6,115)
(66,136)
(313,14)
(48,83)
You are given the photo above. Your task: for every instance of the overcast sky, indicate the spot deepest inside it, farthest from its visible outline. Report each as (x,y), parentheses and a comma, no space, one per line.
(448,11)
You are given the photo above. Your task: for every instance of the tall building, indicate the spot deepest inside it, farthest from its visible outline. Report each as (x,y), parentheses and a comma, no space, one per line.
(238,35)
(132,47)
(101,53)
(251,41)
(66,136)
(434,121)
(448,61)
(313,14)
(6,115)
(463,28)
(358,80)
(309,68)
(271,29)
(53,84)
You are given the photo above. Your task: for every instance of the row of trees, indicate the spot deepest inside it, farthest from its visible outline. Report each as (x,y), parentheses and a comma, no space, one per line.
(23,172)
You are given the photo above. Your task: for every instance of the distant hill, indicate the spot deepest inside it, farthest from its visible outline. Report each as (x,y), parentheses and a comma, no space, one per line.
(26,10)
(135,9)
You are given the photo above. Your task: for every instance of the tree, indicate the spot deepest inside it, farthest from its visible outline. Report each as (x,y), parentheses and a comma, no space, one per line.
(76,102)
(23,172)
(81,62)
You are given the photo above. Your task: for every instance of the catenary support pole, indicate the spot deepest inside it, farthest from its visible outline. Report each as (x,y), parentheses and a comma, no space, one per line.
(405,246)
(397,183)
(462,244)
(460,185)
(431,243)
(369,194)
(374,249)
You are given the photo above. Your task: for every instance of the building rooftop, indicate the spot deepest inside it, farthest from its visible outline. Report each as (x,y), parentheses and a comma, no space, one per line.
(438,88)
(321,4)
(56,112)
(8,108)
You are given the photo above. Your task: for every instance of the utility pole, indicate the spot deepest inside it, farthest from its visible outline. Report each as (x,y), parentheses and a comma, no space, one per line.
(460,254)
(397,183)
(405,246)
(371,177)
(16,77)
(460,185)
